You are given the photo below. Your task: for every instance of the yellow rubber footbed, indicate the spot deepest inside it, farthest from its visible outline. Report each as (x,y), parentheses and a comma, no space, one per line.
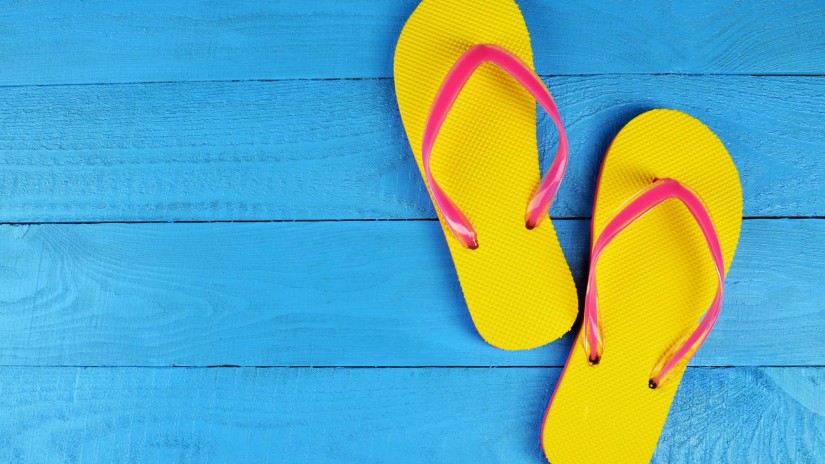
(517,284)
(655,281)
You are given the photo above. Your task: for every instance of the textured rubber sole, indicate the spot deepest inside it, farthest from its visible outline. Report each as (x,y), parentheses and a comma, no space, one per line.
(517,285)
(655,281)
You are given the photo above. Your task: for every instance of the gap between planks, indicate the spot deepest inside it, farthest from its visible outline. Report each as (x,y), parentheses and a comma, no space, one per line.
(235,366)
(278,221)
(349,79)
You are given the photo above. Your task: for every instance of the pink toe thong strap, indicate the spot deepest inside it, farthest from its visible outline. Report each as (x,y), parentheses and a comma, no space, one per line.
(658,192)
(454,82)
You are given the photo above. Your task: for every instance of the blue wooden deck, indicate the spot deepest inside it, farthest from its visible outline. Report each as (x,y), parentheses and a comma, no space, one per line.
(167,171)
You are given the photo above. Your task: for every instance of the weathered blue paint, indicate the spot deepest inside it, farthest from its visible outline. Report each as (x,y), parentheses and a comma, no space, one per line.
(278,151)
(155,40)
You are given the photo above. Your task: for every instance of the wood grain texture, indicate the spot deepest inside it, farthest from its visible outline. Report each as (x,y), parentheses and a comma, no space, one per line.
(336,149)
(733,416)
(337,294)
(111,41)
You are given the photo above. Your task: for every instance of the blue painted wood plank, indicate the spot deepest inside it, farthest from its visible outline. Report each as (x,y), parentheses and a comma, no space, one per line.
(152,40)
(421,416)
(336,149)
(338,294)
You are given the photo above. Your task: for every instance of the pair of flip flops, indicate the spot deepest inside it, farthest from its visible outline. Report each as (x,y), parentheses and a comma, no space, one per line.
(666,221)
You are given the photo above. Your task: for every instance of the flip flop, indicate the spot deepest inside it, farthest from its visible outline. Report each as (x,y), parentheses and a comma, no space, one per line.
(467,91)
(665,226)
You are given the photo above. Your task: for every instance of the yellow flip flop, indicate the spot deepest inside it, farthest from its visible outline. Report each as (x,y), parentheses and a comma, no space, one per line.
(665,226)
(466,88)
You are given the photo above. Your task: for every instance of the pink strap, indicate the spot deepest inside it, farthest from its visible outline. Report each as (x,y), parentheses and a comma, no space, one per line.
(453,83)
(655,194)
